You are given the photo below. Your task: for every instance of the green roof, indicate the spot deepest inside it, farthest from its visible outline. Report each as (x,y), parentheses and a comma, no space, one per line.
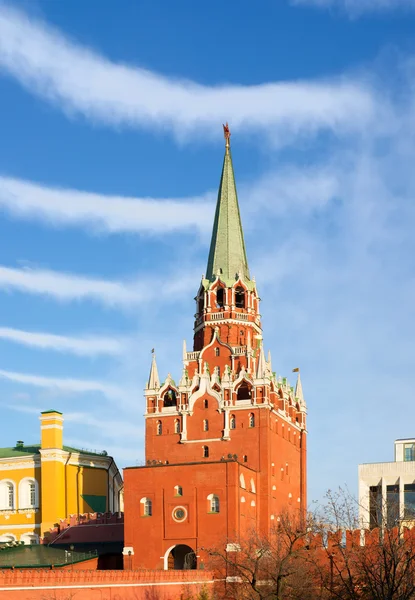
(51,410)
(227,254)
(38,555)
(35,449)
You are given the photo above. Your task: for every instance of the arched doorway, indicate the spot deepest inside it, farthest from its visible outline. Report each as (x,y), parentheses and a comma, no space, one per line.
(181,557)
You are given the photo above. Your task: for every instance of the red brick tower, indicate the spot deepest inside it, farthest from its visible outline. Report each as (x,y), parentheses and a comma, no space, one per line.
(226,446)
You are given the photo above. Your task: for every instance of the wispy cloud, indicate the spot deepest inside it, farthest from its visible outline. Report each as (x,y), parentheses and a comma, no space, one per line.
(68,287)
(78,386)
(82,346)
(284,190)
(356,7)
(56,206)
(79,80)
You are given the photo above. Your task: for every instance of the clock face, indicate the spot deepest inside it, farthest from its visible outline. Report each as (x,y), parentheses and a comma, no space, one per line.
(179,513)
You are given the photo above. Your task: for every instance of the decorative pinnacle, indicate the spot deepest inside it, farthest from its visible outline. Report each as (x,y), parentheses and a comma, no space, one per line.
(227,136)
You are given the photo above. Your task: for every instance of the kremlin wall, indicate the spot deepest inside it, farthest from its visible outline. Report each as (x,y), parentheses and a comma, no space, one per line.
(225,449)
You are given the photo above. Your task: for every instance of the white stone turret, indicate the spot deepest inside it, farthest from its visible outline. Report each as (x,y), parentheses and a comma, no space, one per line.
(153,380)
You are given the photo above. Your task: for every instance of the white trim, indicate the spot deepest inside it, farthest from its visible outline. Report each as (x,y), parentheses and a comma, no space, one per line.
(128,551)
(51,417)
(184,509)
(106,585)
(52,427)
(19,466)
(4,527)
(202,440)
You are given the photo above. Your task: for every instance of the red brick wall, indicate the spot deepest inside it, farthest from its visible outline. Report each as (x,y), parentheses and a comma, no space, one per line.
(102,585)
(200,529)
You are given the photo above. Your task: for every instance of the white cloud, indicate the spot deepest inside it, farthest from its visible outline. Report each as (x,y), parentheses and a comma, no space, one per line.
(356,7)
(82,346)
(31,201)
(68,287)
(81,81)
(77,386)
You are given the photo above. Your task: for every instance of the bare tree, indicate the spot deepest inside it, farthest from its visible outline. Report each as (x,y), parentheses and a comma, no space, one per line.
(268,567)
(363,565)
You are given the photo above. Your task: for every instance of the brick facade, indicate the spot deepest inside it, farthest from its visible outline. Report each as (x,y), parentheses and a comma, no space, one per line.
(226,446)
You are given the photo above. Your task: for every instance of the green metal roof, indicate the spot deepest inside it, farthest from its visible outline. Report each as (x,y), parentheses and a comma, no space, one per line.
(227,254)
(51,410)
(38,555)
(35,449)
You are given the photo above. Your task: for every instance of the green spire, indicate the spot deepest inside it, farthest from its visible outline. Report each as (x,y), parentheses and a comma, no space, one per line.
(227,253)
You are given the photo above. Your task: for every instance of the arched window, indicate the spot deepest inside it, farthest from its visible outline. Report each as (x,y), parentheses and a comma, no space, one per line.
(169,398)
(251,420)
(217,351)
(159,427)
(206,403)
(242,481)
(205,452)
(232,422)
(176,426)
(147,507)
(205,425)
(220,298)
(253,490)
(213,503)
(28,493)
(240,297)
(244,391)
(7,495)
(178,490)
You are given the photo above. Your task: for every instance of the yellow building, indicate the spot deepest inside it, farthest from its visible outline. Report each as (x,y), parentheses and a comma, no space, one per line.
(46,482)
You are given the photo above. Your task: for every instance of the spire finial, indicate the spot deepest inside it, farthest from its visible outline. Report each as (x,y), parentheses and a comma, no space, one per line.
(227,135)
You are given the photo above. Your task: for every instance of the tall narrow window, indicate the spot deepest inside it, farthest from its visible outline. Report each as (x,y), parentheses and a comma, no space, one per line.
(159,428)
(251,420)
(214,505)
(9,495)
(217,351)
(232,422)
(206,403)
(148,507)
(205,425)
(205,452)
(409,452)
(220,298)
(176,426)
(178,490)
(32,494)
(240,297)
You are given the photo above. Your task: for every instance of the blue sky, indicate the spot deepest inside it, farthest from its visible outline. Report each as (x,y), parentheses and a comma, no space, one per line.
(110,157)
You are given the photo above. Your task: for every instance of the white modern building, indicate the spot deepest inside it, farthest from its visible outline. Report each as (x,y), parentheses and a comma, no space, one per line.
(387,489)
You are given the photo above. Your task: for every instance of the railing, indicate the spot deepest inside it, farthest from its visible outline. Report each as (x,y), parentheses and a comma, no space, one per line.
(217,316)
(192,355)
(242,316)
(239,350)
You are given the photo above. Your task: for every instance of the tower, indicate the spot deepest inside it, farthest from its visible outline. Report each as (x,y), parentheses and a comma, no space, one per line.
(52,468)
(229,423)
